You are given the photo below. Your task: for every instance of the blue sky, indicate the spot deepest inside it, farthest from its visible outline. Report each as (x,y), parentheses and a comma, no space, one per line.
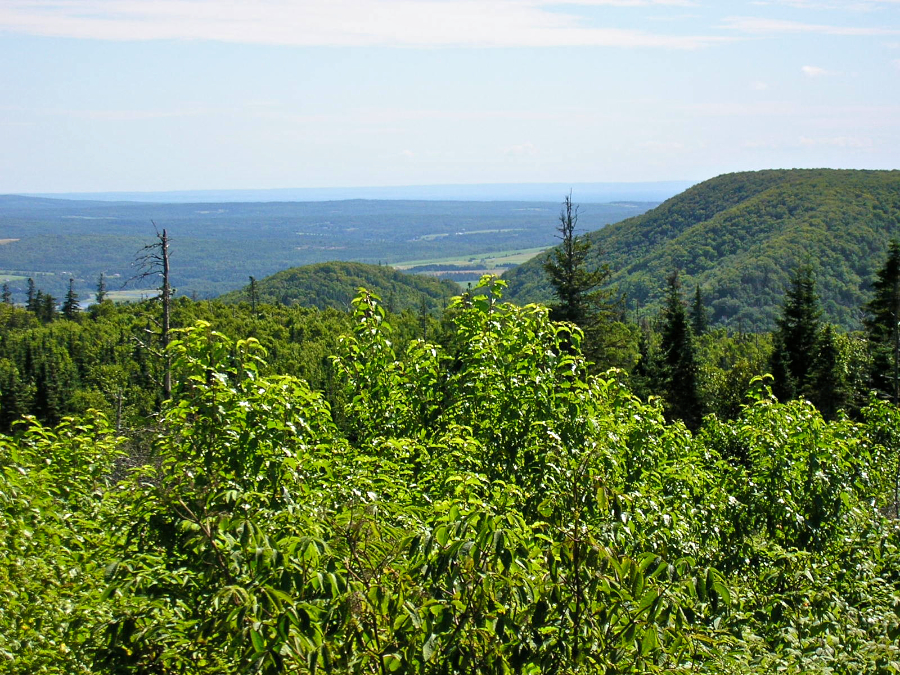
(106,95)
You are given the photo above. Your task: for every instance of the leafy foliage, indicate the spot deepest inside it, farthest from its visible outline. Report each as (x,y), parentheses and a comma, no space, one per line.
(484,505)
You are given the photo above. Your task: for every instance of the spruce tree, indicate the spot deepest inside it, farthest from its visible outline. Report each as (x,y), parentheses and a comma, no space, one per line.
(7,295)
(699,315)
(882,325)
(254,295)
(71,308)
(100,295)
(679,359)
(828,385)
(46,307)
(31,297)
(577,281)
(797,336)
(646,377)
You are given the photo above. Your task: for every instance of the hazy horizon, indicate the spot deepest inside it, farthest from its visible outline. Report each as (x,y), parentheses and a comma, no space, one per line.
(649,191)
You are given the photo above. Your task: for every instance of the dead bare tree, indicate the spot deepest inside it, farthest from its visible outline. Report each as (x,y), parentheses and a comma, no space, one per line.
(153,261)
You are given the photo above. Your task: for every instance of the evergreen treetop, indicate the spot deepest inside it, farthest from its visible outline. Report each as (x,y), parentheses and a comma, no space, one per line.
(680,358)
(882,323)
(797,335)
(71,308)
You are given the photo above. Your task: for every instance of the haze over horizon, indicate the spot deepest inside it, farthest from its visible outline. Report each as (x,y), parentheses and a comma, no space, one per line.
(144,96)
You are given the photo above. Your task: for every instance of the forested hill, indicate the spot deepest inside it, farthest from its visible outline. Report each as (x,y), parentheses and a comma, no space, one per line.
(335,284)
(739,236)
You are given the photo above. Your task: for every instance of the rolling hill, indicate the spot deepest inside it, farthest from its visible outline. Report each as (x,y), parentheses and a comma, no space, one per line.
(216,246)
(335,284)
(739,237)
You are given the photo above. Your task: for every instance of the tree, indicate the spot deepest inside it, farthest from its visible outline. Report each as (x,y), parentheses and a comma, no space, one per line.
(882,325)
(100,295)
(46,307)
(646,378)
(699,316)
(7,295)
(679,357)
(71,308)
(153,261)
(254,294)
(828,387)
(577,283)
(31,295)
(796,339)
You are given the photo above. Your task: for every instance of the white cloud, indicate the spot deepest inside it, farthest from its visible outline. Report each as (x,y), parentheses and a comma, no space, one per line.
(401,23)
(408,154)
(771,26)
(814,71)
(759,86)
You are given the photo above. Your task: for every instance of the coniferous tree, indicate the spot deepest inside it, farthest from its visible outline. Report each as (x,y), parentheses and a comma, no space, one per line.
(7,295)
(797,336)
(577,282)
(71,308)
(828,384)
(646,378)
(31,295)
(153,261)
(46,307)
(254,294)
(882,325)
(679,359)
(699,315)
(100,295)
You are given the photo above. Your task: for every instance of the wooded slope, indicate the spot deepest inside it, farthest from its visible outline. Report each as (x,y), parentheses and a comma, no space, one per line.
(335,284)
(740,235)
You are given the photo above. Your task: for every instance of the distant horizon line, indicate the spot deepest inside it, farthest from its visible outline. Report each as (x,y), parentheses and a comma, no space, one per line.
(584,192)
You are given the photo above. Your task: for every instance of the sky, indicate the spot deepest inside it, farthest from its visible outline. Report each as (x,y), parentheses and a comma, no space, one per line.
(146,95)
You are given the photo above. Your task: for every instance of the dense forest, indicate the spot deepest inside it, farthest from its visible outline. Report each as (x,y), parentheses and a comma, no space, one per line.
(740,236)
(219,245)
(481,488)
(334,284)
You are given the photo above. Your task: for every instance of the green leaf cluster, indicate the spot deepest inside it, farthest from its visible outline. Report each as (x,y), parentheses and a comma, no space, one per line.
(483,505)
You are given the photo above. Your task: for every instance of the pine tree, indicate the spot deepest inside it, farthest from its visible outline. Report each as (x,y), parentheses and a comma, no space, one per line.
(7,295)
(679,359)
(797,336)
(71,308)
(882,325)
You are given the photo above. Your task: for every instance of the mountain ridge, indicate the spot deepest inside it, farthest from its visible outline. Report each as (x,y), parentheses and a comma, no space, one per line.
(739,236)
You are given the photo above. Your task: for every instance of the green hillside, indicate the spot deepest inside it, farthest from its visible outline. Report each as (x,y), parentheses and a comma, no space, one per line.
(740,235)
(335,284)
